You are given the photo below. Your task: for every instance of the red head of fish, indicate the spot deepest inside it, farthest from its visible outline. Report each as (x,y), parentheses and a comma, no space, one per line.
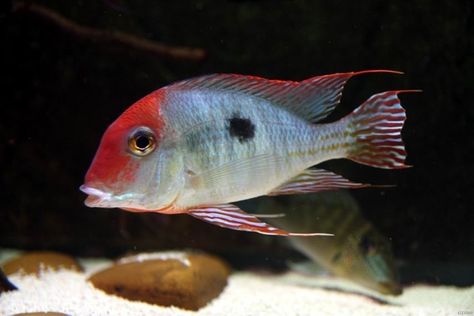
(114,177)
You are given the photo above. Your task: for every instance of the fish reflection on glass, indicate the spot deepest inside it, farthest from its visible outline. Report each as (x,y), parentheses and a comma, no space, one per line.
(358,252)
(198,145)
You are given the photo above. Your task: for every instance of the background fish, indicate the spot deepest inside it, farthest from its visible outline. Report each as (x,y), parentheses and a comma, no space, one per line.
(357,252)
(197,145)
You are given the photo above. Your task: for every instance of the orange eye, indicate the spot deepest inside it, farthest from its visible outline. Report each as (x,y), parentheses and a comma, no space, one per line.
(141,142)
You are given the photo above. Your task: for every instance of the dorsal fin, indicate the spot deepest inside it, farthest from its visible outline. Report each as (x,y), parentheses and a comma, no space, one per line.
(312,99)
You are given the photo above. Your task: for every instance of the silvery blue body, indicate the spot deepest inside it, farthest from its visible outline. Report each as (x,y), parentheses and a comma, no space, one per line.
(218,167)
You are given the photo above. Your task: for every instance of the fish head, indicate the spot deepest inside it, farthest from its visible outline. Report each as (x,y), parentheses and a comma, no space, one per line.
(130,167)
(367,259)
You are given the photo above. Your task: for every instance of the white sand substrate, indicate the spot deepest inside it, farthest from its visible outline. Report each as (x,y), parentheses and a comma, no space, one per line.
(246,294)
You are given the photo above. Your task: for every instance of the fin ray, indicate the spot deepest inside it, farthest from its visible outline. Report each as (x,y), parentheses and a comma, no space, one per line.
(231,172)
(376,127)
(312,99)
(232,217)
(315,180)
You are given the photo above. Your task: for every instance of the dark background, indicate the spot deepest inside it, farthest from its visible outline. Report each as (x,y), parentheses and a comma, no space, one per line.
(60,91)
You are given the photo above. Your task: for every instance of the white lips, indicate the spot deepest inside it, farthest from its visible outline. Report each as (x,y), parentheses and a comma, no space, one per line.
(96,197)
(96,192)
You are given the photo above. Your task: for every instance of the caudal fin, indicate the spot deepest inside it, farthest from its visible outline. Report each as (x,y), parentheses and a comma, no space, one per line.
(376,127)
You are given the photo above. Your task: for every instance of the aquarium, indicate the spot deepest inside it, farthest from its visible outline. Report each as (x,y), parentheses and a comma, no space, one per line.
(237,158)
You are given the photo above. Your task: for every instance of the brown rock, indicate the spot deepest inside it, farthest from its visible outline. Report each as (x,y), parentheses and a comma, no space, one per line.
(34,262)
(188,281)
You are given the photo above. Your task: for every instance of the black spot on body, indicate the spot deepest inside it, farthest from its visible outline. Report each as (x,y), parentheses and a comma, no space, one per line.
(241,128)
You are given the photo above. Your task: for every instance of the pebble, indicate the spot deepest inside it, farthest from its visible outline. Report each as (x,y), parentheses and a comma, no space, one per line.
(186,280)
(36,261)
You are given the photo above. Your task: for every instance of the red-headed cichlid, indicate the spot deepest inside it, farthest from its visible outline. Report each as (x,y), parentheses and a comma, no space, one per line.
(198,145)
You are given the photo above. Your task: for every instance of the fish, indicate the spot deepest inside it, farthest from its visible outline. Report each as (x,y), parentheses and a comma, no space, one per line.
(198,145)
(358,252)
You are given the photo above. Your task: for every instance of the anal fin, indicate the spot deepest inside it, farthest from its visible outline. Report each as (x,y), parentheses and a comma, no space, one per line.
(315,180)
(232,217)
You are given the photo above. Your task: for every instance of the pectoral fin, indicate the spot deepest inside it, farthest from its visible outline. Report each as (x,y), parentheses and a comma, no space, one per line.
(230,216)
(231,172)
(315,180)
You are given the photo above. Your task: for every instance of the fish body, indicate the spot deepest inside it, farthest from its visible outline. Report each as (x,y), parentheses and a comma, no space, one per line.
(358,251)
(198,145)
(253,145)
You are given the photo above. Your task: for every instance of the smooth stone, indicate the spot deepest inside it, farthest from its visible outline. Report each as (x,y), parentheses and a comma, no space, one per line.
(36,261)
(185,280)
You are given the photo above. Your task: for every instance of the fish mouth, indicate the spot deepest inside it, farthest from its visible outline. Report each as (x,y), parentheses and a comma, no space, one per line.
(96,197)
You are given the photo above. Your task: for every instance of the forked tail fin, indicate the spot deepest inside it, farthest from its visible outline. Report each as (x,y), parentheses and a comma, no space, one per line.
(376,127)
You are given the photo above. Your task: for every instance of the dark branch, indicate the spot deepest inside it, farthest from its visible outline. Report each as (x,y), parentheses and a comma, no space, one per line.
(160,49)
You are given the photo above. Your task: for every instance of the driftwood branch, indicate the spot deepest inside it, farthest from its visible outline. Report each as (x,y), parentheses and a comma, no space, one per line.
(89,33)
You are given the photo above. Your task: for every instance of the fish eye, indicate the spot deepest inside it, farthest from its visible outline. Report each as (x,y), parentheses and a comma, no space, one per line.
(141,142)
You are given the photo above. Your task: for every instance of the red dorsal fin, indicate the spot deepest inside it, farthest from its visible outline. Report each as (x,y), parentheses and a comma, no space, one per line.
(315,180)
(232,217)
(312,99)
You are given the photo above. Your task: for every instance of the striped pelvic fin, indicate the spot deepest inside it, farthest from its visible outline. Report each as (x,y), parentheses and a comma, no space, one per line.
(312,99)
(232,217)
(316,180)
(376,126)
